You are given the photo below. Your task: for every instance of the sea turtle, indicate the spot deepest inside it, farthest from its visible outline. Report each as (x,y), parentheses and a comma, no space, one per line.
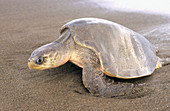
(102,48)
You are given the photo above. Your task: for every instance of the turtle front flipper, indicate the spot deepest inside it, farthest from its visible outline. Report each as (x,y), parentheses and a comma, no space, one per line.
(99,84)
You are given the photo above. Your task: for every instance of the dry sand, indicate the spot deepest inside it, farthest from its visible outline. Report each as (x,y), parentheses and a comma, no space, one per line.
(27,24)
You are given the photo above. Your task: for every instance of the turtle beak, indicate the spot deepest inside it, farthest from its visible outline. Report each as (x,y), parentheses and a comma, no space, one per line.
(30,65)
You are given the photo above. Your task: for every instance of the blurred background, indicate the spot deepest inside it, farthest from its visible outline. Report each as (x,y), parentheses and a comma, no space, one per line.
(143,6)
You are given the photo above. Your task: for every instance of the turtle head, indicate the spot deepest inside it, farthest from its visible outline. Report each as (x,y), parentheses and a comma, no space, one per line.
(48,56)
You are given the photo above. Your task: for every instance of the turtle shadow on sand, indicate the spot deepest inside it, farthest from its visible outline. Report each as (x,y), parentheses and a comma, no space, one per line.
(124,88)
(128,88)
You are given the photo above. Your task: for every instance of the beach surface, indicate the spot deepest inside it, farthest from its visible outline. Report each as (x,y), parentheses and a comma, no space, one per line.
(28,24)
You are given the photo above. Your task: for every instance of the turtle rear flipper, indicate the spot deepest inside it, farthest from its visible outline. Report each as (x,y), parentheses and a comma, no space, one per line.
(99,84)
(164,61)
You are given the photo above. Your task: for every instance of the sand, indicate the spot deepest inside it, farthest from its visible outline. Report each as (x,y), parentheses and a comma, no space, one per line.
(27,24)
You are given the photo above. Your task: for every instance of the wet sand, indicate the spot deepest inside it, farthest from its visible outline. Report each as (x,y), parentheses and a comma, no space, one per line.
(27,24)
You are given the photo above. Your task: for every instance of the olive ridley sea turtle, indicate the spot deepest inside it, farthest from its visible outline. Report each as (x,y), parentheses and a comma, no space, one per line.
(102,48)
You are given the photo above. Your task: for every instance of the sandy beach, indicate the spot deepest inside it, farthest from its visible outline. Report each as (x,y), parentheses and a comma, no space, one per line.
(28,24)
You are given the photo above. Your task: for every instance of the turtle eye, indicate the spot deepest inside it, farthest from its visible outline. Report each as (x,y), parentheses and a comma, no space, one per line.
(39,60)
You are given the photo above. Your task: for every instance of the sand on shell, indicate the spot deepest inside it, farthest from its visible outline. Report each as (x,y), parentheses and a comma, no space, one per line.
(27,24)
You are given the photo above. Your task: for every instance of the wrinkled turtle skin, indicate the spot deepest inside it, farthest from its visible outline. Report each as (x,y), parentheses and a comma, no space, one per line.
(101,48)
